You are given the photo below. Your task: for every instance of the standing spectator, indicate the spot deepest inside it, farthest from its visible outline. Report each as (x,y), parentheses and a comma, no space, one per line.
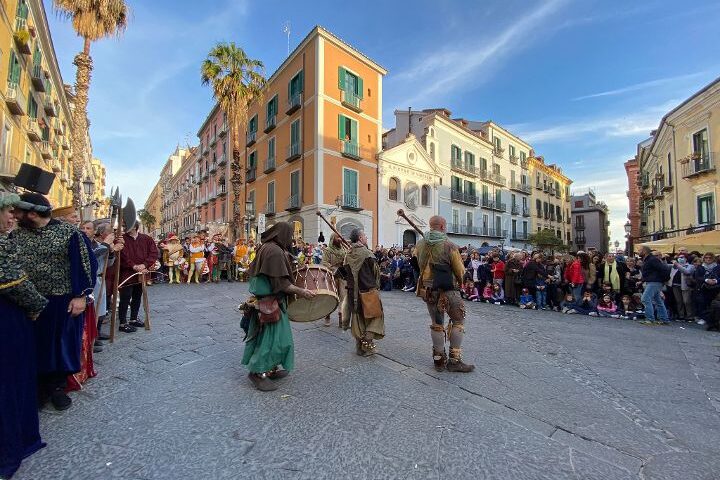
(613,272)
(685,302)
(633,277)
(498,270)
(554,278)
(513,278)
(589,271)
(574,276)
(706,285)
(532,271)
(654,273)
(225,257)
(474,269)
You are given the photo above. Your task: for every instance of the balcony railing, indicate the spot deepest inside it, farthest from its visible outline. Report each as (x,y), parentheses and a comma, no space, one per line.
(269,209)
(498,151)
(293,152)
(351,150)
(223,130)
(221,191)
(50,107)
(514,159)
(293,202)
(213,167)
(33,129)
(580,240)
(524,164)
(350,100)
(45,149)
(515,210)
(213,140)
(698,164)
(9,166)
(520,187)
(526,212)
(294,103)
(22,40)
(458,165)
(65,144)
(463,197)
(251,138)
(250,174)
(491,232)
(37,75)
(519,236)
(493,177)
(270,123)
(493,205)
(350,201)
(15,99)
(269,165)
(222,159)
(205,149)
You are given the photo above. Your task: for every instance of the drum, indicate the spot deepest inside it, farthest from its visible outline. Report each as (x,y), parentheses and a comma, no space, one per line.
(319,279)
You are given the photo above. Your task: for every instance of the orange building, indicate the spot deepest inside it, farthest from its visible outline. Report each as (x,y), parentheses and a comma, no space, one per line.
(310,144)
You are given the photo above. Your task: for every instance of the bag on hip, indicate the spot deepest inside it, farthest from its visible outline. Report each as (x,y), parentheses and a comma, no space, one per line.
(371,304)
(268,309)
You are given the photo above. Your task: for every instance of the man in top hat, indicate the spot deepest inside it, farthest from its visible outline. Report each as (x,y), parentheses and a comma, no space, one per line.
(58,260)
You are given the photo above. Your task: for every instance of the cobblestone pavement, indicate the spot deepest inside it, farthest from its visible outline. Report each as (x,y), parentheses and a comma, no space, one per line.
(554,396)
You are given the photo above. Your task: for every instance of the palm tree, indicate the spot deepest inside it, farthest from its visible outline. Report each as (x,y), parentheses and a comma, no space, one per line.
(236,82)
(92,20)
(147,219)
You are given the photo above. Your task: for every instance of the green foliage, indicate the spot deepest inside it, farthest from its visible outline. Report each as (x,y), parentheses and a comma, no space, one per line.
(22,36)
(147,218)
(546,240)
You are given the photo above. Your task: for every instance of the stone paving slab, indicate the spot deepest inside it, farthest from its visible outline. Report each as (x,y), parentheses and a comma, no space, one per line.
(554,396)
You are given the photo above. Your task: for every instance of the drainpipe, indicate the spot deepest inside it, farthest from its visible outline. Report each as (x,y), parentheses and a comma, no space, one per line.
(675,183)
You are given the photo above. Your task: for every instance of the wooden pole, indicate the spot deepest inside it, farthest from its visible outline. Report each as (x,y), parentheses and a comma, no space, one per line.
(345,242)
(118,261)
(401,213)
(146,303)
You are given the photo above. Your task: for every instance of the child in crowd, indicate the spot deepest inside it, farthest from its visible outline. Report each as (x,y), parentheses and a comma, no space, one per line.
(498,296)
(625,307)
(487,294)
(587,304)
(469,292)
(568,304)
(606,307)
(526,300)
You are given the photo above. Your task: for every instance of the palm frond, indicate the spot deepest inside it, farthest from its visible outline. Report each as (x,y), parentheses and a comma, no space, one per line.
(94,19)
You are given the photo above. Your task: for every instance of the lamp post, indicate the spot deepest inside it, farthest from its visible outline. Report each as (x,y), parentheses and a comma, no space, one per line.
(629,242)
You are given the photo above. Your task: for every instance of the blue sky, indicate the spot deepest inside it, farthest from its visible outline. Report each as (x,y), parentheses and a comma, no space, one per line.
(583,81)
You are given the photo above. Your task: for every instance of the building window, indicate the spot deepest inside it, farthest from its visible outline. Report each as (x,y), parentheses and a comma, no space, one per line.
(455,184)
(350,83)
(425,196)
(295,87)
(347,129)
(295,184)
(350,188)
(669,175)
(432,150)
(579,204)
(580,221)
(393,188)
(295,134)
(706,209)
(469,221)
(672,217)
(700,143)
(272,107)
(455,153)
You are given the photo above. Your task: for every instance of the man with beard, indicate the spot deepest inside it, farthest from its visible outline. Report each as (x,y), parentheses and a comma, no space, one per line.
(58,260)
(269,341)
(362,275)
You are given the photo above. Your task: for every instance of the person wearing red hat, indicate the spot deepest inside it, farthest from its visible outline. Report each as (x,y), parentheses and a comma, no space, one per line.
(174,257)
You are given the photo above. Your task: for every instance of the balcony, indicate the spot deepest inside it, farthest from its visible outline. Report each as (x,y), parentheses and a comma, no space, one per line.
(697,165)
(269,209)
(213,167)
(546,188)
(351,150)
(492,177)
(213,140)
(204,149)
(457,165)
(538,185)
(211,196)
(37,75)
(56,166)
(515,210)
(350,100)
(539,214)
(350,201)
(9,166)
(525,212)
(251,138)
(293,152)
(33,129)
(45,149)
(498,151)
(22,36)
(491,232)
(493,205)
(519,236)
(580,240)
(524,164)
(294,103)
(15,99)
(552,217)
(57,126)
(270,123)
(269,165)
(462,197)
(250,174)
(293,203)
(520,187)
(223,130)
(50,107)
(222,160)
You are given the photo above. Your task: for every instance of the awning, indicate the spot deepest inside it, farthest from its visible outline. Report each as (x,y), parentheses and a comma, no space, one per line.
(702,242)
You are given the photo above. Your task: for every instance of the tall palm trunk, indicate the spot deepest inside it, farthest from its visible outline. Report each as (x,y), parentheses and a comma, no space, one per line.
(236,181)
(83,62)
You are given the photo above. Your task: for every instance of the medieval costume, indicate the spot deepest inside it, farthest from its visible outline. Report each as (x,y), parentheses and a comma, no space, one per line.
(19,301)
(362,275)
(333,258)
(212,260)
(269,341)
(58,260)
(225,256)
(139,249)
(174,258)
(441,272)
(240,254)
(197,259)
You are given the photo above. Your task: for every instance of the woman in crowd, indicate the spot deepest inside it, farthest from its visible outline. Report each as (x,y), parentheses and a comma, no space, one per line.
(574,276)
(513,278)
(683,294)
(589,271)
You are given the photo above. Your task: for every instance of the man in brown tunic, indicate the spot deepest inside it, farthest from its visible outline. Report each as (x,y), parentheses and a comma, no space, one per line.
(441,273)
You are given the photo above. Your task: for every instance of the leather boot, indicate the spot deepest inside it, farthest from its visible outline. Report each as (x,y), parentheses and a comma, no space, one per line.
(455,363)
(440,359)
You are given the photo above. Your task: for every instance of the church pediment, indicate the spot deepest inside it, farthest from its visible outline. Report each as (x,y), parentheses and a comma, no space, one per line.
(408,155)
(416,220)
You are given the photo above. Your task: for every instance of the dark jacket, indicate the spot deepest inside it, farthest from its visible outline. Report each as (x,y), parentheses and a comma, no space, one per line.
(654,270)
(532,271)
(621,269)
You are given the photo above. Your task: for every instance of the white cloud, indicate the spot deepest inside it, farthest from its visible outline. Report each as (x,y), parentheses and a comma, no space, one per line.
(450,66)
(641,86)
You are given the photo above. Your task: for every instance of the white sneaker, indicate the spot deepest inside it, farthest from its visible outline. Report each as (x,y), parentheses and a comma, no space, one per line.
(700,321)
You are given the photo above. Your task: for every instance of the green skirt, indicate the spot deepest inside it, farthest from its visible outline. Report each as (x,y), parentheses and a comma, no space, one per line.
(271,344)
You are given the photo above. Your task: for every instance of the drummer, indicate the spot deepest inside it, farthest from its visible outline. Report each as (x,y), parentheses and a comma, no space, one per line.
(270,345)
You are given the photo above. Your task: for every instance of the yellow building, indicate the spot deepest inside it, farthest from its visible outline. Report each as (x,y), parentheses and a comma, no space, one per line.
(550,198)
(35,114)
(154,206)
(100,206)
(678,176)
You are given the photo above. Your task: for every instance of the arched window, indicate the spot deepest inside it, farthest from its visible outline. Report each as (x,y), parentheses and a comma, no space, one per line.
(393,188)
(425,196)
(432,150)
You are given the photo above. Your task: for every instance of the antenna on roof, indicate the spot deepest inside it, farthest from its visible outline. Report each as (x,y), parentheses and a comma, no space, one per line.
(286,31)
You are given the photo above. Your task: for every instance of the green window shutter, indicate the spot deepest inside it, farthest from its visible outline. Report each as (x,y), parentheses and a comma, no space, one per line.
(294,183)
(341,127)
(350,181)
(271,148)
(354,132)
(360,87)
(341,78)
(300,81)
(295,132)
(289,90)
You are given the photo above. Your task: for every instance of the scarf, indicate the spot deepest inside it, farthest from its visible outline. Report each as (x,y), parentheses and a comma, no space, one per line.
(611,275)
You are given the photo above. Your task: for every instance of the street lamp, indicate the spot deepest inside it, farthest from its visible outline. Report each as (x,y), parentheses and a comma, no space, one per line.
(629,243)
(88,186)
